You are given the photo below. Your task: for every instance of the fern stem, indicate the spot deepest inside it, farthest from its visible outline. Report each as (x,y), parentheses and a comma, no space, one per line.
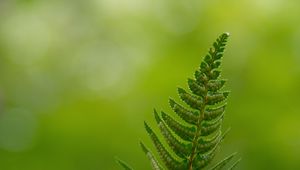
(201,116)
(198,132)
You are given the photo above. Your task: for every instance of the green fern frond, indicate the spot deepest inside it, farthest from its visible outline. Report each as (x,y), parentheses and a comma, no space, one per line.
(192,145)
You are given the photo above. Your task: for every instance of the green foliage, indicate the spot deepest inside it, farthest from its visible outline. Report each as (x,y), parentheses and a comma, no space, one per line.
(194,141)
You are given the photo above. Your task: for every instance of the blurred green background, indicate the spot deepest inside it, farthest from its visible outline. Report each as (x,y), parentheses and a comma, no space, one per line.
(77,78)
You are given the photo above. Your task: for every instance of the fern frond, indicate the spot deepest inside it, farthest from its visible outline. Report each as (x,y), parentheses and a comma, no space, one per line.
(194,142)
(205,117)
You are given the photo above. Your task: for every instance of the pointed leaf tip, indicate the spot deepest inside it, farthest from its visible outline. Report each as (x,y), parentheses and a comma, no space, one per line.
(148,129)
(143,147)
(154,163)
(226,33)
(224,162)
(171,102)
(235,164)
(181,90)
(226,94)
(123,164)
(156,116)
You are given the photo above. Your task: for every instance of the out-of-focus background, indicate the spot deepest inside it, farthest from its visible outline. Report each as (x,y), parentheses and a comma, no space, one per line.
(77,78)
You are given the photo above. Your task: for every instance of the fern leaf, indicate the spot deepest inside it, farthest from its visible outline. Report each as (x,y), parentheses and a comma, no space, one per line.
(209,127)
(123,164)
(194,142)
(215,98)
(202,160)
(170,162)
(201,78)
(215,85)
(180,149)
(235,164)
(214,113)
(187,115)
(205,145)
(196,88)
(223,163)
(184,132)
(193,101)
(154,163)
